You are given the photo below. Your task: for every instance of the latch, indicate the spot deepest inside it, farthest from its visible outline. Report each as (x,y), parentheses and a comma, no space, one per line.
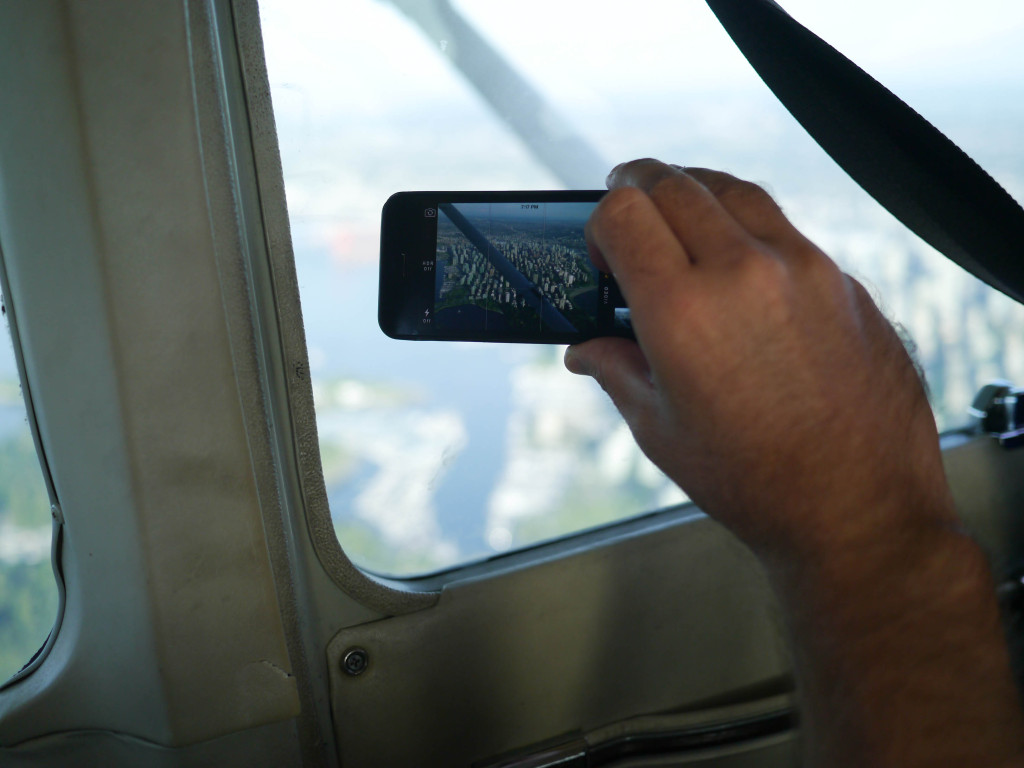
(998,409)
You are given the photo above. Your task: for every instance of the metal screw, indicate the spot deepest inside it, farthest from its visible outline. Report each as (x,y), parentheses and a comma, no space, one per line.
(355,661)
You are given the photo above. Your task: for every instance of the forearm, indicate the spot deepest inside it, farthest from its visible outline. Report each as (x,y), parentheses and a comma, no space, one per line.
(900,657)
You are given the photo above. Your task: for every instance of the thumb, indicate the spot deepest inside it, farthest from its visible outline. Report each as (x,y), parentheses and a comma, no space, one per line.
(620,369)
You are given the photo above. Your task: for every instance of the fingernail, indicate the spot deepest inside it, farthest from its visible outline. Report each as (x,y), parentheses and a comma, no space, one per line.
(610,178)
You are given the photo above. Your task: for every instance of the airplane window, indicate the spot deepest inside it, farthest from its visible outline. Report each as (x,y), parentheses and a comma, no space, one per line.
(435,454)
(28,594)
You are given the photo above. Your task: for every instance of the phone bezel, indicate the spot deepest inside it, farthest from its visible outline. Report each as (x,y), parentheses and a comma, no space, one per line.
(405,233)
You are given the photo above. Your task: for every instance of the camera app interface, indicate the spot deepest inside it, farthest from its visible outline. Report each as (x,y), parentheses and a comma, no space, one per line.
(514,267)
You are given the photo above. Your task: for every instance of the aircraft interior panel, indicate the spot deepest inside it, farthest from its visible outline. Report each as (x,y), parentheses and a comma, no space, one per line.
(210,615)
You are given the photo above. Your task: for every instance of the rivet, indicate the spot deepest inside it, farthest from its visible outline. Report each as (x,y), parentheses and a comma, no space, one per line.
(355,661)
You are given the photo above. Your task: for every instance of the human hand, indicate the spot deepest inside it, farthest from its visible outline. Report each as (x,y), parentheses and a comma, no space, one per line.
(764,380)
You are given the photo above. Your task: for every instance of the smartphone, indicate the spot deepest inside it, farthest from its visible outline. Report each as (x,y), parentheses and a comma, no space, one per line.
(494,266)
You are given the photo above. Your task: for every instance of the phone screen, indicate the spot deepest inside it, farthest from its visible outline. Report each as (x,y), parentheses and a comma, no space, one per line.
(494,266)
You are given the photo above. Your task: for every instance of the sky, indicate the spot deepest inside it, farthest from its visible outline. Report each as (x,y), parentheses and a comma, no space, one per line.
(914,38)
(582,50)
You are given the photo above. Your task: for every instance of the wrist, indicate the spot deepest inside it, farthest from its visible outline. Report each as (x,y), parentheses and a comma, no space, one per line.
(909,627)
(909,567)
(850,527)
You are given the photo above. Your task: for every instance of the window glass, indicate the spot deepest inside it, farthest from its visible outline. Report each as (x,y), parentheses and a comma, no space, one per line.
(28,594)
(435,454)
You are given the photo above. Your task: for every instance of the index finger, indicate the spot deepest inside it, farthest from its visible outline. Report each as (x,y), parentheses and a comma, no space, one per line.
(630,235)
(707,229)
(751,205)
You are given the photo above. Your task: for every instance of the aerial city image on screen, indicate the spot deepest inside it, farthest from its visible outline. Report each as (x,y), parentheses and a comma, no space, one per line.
(514,267)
